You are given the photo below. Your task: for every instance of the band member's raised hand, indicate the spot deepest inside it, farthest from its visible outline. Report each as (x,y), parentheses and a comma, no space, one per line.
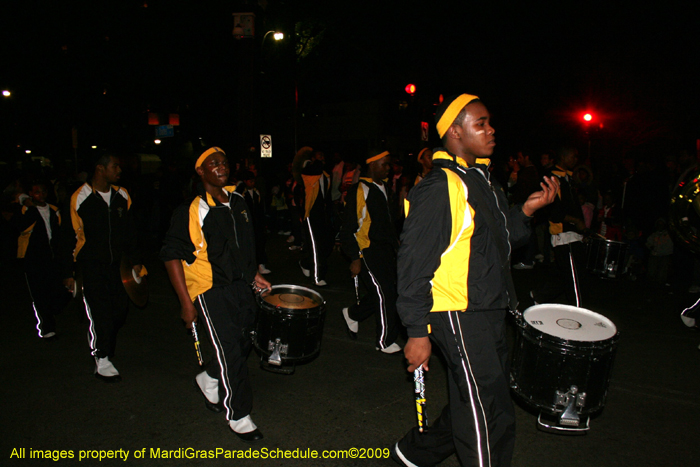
(417,351)
(540,199)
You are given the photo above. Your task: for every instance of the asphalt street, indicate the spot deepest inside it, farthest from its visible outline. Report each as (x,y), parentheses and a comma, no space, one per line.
(351,396)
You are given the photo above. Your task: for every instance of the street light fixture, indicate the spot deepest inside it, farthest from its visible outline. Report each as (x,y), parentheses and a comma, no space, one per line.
(276,35)
(6,93)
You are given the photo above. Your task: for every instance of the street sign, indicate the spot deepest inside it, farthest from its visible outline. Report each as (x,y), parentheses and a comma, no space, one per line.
(266,146)
(165,131)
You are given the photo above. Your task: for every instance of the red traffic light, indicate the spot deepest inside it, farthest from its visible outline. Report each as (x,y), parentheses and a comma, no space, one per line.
(410,89)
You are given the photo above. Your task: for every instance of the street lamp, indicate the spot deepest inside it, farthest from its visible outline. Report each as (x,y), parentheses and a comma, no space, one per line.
(6,93)
(276,35)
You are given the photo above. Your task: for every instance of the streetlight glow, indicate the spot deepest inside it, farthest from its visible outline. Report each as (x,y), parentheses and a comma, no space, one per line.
(278,36)
(588,117)
(27,151)
(6,93)
(157,141)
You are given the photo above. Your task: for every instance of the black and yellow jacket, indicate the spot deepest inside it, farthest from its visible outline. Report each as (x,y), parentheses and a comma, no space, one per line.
(317,200)
(33,243)
(565,204)
(215,242)
(103,233)
(456,243)
(367,223)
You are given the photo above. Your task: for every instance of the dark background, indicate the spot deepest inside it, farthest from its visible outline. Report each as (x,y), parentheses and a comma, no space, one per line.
(101,66)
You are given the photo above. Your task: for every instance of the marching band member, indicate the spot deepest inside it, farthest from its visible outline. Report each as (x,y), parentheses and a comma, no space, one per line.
(455,288)
(209,253)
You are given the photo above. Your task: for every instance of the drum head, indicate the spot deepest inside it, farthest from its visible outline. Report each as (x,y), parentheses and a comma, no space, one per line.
(293,297)
(570,323)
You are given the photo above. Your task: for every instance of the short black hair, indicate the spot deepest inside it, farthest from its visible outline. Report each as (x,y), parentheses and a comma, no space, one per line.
(564,151)
(38,182)
(101,158)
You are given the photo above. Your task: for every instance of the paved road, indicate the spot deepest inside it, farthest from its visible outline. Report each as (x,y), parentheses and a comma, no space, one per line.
(350,396)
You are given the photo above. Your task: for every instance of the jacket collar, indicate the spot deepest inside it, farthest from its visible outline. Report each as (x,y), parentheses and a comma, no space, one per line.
(442,154)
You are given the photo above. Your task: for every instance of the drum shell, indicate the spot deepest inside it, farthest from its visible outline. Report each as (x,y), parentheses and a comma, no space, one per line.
(544,364)
(300,330)
(606,258)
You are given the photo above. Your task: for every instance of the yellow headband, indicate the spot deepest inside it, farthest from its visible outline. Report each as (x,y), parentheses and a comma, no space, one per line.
(422,151)
(377,157)
(451,113)
(206,154)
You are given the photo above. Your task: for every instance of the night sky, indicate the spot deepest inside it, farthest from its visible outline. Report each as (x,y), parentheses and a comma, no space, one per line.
(102,65)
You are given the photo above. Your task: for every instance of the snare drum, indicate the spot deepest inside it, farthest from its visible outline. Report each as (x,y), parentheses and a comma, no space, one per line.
(290,325)
(606,257)
(563,359)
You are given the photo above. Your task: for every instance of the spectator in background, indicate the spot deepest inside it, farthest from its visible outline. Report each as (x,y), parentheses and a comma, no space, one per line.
(547,160)
(588,210)
(522,182)
(425,159)
(660,248)
(609,219)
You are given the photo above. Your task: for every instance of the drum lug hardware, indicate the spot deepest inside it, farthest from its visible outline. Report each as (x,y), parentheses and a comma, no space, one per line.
(571,400)
(278,350)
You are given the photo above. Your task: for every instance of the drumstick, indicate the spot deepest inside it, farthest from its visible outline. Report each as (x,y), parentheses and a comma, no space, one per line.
(419,389)
(357,290)
(196,343)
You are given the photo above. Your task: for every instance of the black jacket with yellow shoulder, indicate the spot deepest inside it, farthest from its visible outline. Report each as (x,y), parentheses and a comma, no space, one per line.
(565,204)
(456,244)
(367,222)
(33,243)
(102,232)
(215,242)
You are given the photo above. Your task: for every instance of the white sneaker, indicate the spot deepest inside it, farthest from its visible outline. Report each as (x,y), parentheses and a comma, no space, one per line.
(105,369)
(353,325)
(209,387)
(393,348)
(304,271)
(321,283)
(523,266)
(294,247)
(263,270)
(690,322)
(244,425)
